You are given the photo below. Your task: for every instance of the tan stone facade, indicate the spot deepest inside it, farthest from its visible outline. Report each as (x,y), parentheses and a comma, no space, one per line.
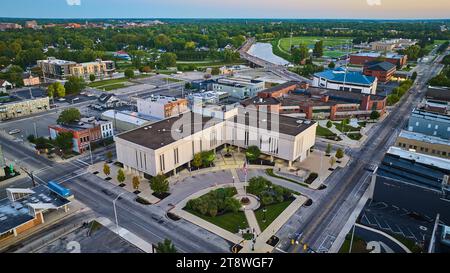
(23,108)
(434,149)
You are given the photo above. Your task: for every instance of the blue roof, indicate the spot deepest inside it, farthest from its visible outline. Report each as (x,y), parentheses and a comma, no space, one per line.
(351,78)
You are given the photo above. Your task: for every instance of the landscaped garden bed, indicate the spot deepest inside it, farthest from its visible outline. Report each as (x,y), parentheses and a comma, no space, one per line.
(143,201)
(220,208)
(274,200)
(161,195)
(311,178)
(270,172)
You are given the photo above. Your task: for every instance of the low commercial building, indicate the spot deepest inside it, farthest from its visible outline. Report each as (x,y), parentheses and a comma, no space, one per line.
(170,144)
(162,107)
(6,26)
(415,182)
(423,144)
(126,120)
(319,103)
(365,57)
(429,123)
(437,99)
(13,107)
(31,24)
(208,97)
(30,80)
(344,80)
(231,69)
(392,44)
(24,209)
(239,88)
(84,132)
(383,71)
(61,69)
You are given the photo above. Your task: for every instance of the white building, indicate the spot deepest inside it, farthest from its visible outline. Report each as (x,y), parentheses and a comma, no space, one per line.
(340,79)
(164,146)
(239,88)
(162,107)
(208,97)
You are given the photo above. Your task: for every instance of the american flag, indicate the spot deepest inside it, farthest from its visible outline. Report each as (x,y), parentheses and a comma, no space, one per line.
(244,168)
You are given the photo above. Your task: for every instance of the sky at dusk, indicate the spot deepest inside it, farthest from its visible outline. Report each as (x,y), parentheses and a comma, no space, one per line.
(297,9)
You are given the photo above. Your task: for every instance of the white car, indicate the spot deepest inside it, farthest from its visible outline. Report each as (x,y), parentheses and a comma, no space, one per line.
(62,99)
(14,131)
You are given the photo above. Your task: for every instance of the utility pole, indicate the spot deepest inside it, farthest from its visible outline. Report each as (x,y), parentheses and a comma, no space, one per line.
(30,174)
(290,42)
(35,130)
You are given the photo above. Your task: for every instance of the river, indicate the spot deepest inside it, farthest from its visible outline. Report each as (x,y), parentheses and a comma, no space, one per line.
(264,51)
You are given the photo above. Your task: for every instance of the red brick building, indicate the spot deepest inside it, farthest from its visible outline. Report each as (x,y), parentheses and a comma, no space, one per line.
(383,71)
(363,58)
(318,103)
(83,135)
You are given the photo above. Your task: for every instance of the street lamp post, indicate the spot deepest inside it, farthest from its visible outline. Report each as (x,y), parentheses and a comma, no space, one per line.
(90,153)
(115,211)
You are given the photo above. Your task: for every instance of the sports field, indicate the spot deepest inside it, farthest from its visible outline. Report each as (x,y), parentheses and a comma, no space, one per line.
(333,46)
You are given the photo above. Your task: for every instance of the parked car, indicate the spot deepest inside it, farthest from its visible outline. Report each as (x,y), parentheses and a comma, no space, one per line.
(14,131)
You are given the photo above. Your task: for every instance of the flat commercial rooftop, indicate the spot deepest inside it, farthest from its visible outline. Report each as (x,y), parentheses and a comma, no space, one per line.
(423,138)
(159,134)
(14,214)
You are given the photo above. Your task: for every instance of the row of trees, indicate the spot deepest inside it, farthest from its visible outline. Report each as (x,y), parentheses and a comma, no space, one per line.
(398,92)
(203,159)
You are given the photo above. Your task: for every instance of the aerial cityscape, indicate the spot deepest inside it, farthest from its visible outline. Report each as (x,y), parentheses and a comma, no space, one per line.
(244,127)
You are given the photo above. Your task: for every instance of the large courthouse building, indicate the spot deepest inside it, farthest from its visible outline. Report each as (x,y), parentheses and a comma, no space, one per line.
(167,145)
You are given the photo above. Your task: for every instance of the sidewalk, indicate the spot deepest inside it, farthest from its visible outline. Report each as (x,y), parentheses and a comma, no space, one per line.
(144,187)
(126,235)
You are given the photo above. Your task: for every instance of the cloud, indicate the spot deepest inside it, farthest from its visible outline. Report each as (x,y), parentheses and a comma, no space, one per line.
(73,2)
(374,2)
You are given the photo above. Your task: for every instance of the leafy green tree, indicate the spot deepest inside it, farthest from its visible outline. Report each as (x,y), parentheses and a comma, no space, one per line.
(318,49)
(69,116)
(339,153)
(252,153)
(232,204)
(189,45)
(92,77)
(374,115)
(208,158)
(159,184)
(414,76)
(59,89)
(106,169)
(121,176)
(299,54)
(328,149)
(136,182)
(197,161)
(109,155)
(162,41)
(31,138)
(129,73)
(332,161)
(64,141)
(329,124)
(215,71)
(168,59)
(331,65)
(166,247)
(74,85)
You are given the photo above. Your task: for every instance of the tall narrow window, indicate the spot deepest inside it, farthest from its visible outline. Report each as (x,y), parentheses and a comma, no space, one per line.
(175,155)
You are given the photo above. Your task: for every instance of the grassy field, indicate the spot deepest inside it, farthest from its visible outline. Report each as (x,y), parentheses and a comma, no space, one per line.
(325,132)
(228,221)
(271,173)
(359,245)
(345,128)
(310,42)
(113,86)
(107,82)
(273,211)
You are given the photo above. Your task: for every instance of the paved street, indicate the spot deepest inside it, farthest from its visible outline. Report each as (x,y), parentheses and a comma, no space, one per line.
(321,225)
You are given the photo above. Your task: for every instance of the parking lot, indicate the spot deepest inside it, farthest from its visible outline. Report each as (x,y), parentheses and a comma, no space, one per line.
(101,240)
(394,220)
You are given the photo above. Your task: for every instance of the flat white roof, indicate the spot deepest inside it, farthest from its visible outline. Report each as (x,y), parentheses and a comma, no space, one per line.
(130,117)
(423,138)
(421,158)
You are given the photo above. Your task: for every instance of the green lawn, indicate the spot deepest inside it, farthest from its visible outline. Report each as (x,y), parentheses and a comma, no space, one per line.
(228,221)
(345,128)
(107,82)
(113,86)
(323,131)
(273,211)
(359,245)
(310,41)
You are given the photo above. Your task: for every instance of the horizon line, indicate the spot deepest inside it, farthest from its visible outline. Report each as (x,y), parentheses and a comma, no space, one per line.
(225,18)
